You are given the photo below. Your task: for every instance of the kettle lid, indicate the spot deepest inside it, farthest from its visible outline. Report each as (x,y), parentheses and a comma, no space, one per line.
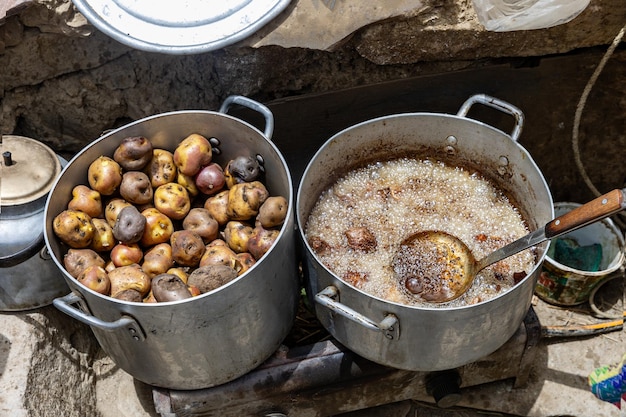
(28,170)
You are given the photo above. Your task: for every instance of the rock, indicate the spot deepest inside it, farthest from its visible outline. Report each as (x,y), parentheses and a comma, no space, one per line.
(45,356)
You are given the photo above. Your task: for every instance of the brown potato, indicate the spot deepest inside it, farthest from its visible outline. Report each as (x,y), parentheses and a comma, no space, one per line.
(161,169)
(199,220)
(273,212)
(217,207)
(187,248)
(245,199)
(104,175)
(86,200)
(192,153)
(103,239)
(172,200)
(261,241)
(158,260)
(219,255)
(136,187)
(180,272)
(246,261)
(124,254)
(129,225)
(129,277)
(149,298)
(158,228)
(95,278)
(113,208)
(209,278)
(236,235)
(77,260)
(129,295)
(187,182)
(168,287)
(133,153)
(74,228)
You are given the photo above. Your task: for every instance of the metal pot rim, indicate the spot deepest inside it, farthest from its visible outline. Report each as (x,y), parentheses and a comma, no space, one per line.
(410,115)
(265,135)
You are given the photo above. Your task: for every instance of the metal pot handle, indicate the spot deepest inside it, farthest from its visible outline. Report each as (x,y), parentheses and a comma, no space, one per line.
(389,326)
(64,304)
(252,105)
(498,105)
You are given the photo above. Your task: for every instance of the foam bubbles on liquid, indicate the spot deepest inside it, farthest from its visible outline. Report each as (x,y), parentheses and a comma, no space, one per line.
(395,199)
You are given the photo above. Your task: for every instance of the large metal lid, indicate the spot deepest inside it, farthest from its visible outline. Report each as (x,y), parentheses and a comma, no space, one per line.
(28,170)
(180,27)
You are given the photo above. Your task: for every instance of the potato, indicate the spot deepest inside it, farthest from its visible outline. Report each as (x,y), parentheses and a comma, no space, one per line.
(161,169)
(74,228)
(77,260)
(172,200)
(129,277)
(168,287)
(219,255)
(192,153)
(180,272)
(136,187)
(103,239)
(129,225)
(187,247)
(210,180)
(199,220)
(245,199)
(129,295)
(236,235)
(124,254)
(86,200)
(104,175)
(261,241)
(273,212)
(158,260)
(96,278)
(113,208)
(133,153)
(189,184)
(158,228)
(211,277)
(241,169)
(246,261)
(217,207)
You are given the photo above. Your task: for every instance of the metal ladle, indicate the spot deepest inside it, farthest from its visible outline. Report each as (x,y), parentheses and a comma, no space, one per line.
(439,267)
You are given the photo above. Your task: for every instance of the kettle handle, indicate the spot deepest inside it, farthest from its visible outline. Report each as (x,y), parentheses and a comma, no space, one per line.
(389,325)
(497,104)
(252,105)
(65,303)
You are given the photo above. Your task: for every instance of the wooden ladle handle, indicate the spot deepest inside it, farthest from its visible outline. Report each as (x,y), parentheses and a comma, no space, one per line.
(597,209)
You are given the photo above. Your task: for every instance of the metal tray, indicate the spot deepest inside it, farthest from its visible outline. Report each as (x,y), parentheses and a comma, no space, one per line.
(181,27)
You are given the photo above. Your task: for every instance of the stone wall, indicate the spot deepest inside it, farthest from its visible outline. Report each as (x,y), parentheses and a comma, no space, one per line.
(64,82)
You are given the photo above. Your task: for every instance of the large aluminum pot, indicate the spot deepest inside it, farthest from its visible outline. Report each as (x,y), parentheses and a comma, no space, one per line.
(212,338)
(418,338)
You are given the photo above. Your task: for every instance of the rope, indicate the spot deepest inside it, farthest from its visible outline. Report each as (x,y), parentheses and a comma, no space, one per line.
(579,109)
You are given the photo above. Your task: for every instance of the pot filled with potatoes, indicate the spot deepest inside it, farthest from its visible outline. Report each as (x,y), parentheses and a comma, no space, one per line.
(175,234)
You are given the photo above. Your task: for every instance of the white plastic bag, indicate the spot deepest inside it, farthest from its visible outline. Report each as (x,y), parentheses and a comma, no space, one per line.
(509,15)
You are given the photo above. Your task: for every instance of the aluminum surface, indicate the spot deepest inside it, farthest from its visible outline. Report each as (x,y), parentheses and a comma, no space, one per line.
(437,338)
(217,336)
(182,27)
(28,277)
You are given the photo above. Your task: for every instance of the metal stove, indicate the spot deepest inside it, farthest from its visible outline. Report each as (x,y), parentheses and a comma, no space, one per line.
(326,379)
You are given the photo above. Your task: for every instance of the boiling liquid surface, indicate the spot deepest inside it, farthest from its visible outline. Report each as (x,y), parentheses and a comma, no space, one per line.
(397,198)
